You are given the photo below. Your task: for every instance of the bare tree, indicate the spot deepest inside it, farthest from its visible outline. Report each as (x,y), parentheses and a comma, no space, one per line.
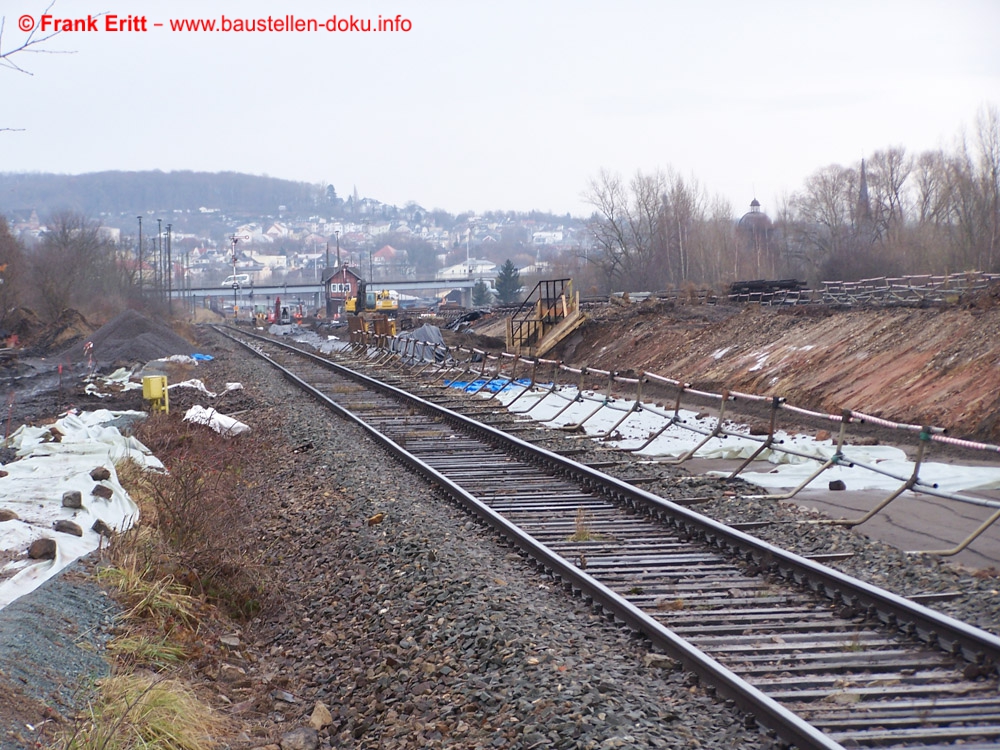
(31,43)
(823,214)
(795,251)
(930,185)
(73,265)
(682,216)
(646,233)
(928,245)
(710,263)
(609,228)
(650,264)
(962,200)
(958,198)
(834,224)
(889,170)
(988,179)
(11,270)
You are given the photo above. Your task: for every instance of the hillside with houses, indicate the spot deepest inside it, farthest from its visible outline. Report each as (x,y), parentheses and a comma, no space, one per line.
(199,220)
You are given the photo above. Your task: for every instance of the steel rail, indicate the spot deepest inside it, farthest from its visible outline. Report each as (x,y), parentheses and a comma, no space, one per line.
(771,714)
(940,630)
(976,645)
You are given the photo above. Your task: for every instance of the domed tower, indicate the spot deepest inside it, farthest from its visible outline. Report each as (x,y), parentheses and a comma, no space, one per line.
(754,256)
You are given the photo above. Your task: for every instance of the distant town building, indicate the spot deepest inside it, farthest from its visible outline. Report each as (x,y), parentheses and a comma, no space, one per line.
(547,238)
(340,284)
(754,257)
(471,269)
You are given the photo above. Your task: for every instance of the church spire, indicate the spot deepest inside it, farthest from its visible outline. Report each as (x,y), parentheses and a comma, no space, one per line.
(864,205)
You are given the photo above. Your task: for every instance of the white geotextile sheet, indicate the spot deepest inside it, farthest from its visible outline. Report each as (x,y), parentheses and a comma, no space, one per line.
(34,485)
(773,469)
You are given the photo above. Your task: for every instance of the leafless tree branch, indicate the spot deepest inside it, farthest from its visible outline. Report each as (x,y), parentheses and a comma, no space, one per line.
(30,44)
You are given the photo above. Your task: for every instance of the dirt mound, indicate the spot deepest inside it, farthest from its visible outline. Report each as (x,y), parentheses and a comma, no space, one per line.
(22,322)
(68,329)
(130,338)
(936,366)
(982,299)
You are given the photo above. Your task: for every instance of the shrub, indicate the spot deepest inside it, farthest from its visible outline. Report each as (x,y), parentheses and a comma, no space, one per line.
(199,513)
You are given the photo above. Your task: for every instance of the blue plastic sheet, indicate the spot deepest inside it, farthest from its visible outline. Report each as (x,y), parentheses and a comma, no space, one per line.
(493,386)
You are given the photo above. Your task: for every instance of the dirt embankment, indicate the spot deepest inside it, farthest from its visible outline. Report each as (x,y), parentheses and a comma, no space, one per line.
(937,366)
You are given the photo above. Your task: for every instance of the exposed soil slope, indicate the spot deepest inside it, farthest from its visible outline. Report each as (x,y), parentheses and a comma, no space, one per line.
(938,366)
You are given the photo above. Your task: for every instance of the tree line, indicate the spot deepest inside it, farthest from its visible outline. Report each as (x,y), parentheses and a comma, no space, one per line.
(73,265)
(895,213)
(111,192)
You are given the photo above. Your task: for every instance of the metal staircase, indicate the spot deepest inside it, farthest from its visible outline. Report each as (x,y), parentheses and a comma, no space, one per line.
(549,314)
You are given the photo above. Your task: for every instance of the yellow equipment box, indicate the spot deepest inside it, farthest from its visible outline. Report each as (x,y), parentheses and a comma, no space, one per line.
(154,390)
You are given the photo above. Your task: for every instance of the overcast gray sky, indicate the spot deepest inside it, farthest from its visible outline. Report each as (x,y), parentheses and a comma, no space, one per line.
(490,105)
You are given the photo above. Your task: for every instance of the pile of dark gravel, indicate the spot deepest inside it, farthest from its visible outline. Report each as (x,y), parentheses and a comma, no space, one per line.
(51,645)
(128,339)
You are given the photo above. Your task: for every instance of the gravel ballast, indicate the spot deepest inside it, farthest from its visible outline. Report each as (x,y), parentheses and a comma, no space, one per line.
(425,631)
(423,548)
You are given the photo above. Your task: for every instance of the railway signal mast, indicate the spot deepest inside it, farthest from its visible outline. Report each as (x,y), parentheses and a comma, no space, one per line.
(234,238)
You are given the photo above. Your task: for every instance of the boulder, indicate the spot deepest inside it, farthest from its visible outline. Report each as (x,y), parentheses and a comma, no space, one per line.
(67,527)
(302,738)
(42,549)
(321,716)
(102,491)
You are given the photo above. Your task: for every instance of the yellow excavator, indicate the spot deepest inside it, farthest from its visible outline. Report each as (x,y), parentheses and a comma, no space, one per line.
(371,311)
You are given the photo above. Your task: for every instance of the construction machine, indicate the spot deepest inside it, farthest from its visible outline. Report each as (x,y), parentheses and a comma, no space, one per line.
(371,311)
(281,315)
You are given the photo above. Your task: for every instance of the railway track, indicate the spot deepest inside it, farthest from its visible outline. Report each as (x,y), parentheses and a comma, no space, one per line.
(821,659)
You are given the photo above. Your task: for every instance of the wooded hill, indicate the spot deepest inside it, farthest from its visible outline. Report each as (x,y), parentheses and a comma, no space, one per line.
(114,192)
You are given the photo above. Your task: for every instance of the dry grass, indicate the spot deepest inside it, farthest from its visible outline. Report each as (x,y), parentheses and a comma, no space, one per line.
(161,601)
(154,652)
(189,564)
(199,514)
(582,531)
(144,711)
(187,329)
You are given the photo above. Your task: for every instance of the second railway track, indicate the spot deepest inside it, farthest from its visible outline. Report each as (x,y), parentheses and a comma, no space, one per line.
(820,658)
